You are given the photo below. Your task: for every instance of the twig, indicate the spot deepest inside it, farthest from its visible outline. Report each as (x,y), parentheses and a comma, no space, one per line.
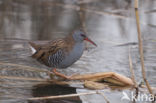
(131,68)
(63,96)
(24,67)
(82,17)
(140,47)
(75,7)
(40,80)
(101,93)
(22,78)
(132,75)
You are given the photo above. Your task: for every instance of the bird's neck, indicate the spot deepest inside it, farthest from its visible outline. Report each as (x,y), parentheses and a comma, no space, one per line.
(70,40)
(71,43)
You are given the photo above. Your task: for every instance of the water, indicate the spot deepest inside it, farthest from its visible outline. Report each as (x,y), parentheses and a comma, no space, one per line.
(109,23)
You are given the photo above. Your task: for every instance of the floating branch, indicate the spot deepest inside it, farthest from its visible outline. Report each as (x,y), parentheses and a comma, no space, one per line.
(112,77)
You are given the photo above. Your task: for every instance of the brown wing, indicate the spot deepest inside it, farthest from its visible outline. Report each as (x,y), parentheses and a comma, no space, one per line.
(44,51)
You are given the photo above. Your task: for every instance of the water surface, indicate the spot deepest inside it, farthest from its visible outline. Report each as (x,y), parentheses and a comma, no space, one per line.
(109,23)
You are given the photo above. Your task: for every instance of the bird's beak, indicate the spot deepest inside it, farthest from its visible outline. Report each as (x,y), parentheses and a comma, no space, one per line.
(87,39)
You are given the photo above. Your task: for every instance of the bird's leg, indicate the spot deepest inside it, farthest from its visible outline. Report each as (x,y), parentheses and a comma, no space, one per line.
(60,74)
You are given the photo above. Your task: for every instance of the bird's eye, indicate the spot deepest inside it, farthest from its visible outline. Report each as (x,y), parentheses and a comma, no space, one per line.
(83,35)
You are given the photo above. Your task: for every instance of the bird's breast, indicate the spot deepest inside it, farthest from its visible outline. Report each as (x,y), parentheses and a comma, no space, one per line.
(73,55)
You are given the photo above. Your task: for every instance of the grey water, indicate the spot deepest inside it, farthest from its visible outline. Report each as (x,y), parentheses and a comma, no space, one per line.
(109,23)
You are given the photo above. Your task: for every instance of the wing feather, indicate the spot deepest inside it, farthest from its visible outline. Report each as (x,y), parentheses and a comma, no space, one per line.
(52,53)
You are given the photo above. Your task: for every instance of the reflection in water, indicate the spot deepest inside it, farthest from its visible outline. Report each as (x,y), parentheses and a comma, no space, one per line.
(108,22)
(53,90)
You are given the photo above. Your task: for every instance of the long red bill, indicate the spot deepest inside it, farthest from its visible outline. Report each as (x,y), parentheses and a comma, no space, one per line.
(87,39)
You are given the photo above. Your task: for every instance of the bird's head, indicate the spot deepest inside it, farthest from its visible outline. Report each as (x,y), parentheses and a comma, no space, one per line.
(80,36)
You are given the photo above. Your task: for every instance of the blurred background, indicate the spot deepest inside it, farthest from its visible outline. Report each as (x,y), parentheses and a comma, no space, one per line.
(109,23)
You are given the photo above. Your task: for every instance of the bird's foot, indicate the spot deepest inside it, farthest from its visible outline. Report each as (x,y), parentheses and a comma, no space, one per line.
(61,75)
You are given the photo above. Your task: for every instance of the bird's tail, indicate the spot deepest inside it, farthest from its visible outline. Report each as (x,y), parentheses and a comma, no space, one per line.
(34,47)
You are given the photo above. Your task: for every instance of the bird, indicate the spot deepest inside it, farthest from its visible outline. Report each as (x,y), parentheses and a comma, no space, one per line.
(62,52)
